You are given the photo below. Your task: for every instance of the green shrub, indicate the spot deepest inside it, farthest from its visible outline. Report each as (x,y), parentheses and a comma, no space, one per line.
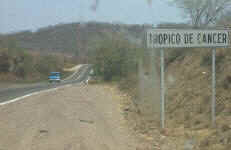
(115,58)
(47,64)
(24,65)
(4,62)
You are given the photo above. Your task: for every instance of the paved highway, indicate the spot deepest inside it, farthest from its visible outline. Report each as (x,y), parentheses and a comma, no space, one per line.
(78,77)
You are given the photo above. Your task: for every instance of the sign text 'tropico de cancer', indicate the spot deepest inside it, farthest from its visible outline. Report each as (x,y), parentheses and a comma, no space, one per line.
(170,38)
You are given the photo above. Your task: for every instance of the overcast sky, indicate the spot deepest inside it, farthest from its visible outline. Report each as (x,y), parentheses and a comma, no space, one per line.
(17,15)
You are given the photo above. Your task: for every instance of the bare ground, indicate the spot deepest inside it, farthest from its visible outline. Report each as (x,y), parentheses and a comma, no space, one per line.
(79,117)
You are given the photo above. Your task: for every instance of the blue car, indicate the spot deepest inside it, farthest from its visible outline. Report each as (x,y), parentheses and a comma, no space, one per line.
(54,77)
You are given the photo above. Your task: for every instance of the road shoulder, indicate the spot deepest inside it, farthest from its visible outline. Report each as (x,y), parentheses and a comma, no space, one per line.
(80,117)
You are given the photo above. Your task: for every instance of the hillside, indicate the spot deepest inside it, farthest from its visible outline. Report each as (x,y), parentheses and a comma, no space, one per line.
(188,102)
(74,38)
(189,97)
(57,45)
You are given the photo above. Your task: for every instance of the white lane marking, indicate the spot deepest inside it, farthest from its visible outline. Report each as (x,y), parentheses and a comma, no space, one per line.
(33,94)
(36,93)
(71,76)
(77,71)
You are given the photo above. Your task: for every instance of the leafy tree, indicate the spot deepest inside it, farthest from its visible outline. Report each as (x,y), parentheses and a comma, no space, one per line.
(4,62)
(116,58)
(225,19)
(47,64)
(25,66)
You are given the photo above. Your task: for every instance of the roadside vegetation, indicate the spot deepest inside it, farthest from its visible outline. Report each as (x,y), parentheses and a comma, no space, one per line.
(188,99)
(18,64)
(28,55)
(116,58)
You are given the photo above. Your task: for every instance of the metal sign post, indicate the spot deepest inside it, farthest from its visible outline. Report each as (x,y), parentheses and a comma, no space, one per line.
(162,90)
(176,38)
(213,86)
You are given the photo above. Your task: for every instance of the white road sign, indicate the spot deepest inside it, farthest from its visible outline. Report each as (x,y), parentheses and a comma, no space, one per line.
(170,38)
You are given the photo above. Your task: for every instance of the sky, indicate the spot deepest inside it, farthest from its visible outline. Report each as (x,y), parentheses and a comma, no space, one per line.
(19,15)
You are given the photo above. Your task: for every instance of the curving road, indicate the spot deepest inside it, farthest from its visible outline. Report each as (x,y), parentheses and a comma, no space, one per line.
(78,77)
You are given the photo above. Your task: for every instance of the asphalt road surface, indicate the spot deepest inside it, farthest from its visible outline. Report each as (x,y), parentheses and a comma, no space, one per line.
(11,93)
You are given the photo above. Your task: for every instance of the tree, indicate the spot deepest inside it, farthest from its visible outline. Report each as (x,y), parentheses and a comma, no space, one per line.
(225,19)
(115,58)
(4,62)
(203,12)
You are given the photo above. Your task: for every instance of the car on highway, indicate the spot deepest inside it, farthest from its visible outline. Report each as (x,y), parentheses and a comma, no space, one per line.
(54,77)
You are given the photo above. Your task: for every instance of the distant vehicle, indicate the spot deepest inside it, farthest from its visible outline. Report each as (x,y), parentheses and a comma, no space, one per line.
(54,77)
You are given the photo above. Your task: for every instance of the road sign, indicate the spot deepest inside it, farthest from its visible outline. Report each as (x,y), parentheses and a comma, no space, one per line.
(173,38)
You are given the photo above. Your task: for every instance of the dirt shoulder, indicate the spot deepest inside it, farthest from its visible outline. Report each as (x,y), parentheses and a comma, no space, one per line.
(77,117)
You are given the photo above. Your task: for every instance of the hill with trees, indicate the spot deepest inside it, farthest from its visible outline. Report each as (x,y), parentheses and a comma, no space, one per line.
(24,53)
(73,38)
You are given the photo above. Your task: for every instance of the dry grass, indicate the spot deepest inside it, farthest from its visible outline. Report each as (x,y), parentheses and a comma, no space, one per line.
(188,105)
